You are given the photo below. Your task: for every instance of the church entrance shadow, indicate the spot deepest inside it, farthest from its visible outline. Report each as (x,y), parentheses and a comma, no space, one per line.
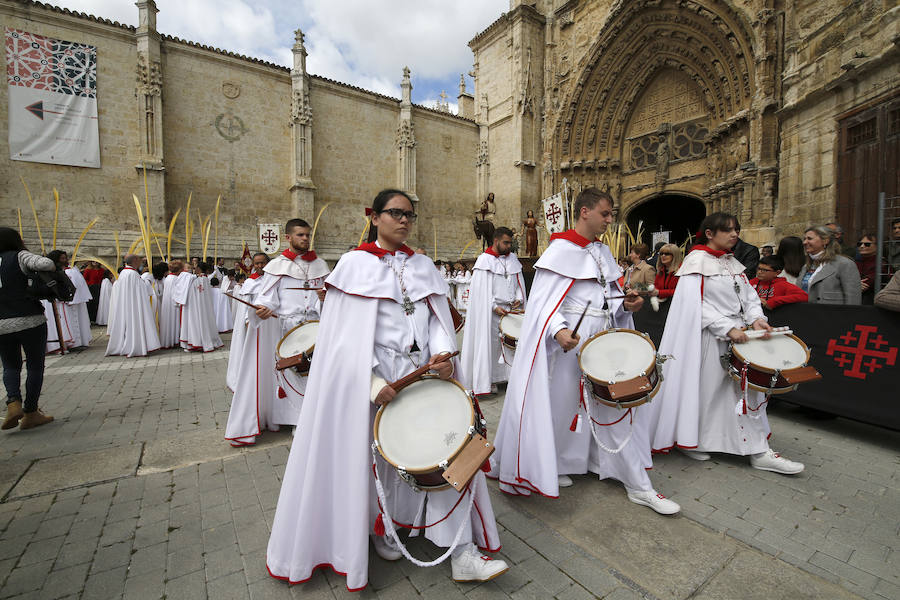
(678,213)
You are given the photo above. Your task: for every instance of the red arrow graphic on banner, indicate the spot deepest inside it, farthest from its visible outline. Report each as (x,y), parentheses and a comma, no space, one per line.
(38,110)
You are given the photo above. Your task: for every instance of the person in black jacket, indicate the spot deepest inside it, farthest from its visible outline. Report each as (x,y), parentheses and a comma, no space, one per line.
(22,327)
(748,255)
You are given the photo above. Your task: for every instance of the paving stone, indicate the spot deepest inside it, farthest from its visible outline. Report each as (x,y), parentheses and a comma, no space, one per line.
(223,562)
(184,561)
(187,587)
(110,557)
(272,589)
(108,584)
(63,582)
(25,579)
(229,587)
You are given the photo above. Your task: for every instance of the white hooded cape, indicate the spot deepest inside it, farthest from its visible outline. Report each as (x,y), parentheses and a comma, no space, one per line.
(198,321)
(103,301)
(480,357)
(63,310)
(132,321)
(326,507)
(534,440)
(695,407)
(240,330)
(77,314)
(169,325)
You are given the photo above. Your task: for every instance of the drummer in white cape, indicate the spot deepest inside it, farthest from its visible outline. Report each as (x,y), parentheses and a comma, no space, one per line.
(700,408)
(546,432)
(289,290)
(251,366)
(385,314)
(496,289)
(132,320)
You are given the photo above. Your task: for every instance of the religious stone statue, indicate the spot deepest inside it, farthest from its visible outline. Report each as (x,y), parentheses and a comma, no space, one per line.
(488,209)
(531,235)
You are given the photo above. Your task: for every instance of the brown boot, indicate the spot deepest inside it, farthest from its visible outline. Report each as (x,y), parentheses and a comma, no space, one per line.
(13,414)
(34,419)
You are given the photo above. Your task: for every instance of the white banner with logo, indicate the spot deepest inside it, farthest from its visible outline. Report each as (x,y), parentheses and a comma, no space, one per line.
(52,100)
(269,237)
(555,213)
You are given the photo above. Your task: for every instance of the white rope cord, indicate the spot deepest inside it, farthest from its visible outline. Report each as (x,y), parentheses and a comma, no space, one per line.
(391,531)
(586,395)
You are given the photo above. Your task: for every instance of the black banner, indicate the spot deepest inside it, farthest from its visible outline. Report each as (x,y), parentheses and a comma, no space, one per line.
(855,348)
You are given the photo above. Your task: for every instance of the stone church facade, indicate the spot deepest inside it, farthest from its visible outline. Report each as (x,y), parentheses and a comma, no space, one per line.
(784,113)
(684,107)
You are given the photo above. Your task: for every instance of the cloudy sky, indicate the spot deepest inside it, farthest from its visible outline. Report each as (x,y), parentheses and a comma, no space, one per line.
(361,42)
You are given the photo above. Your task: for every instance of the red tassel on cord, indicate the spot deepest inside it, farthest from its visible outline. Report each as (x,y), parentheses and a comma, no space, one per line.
(574,424)
(281,392)
(379,525)
(486,466)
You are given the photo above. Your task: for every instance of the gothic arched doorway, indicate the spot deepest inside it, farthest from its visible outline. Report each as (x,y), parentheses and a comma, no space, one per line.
(677,213)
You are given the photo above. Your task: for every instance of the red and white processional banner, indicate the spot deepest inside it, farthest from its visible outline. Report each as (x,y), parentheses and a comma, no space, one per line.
(555,213)
(52,100)
(269,237)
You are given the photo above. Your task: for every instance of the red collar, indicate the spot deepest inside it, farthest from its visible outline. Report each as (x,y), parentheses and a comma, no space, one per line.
(132,268)
(572,236)
(490,250)
(254,275)
(373,248)
(716,253)
(291,255)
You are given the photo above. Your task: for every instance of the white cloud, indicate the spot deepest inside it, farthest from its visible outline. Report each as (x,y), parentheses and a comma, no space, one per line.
(361,42)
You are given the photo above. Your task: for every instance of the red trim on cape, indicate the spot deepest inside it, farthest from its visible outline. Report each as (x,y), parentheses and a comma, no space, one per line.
(254,275)
(311,573)
(708,250)
(373,248)
(309,256)
(573,236)
(289,254)
(490,250)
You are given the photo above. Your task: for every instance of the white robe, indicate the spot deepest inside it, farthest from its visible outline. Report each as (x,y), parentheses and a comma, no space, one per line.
(496,281)
(156,292)
(239,331)
(132,321)
(293,307)
(327,509)
(222,310)
(695,407)
(198,321)
(103,301)
(535,443)
(251,374)
(169,324)
(77,314)
(63,311)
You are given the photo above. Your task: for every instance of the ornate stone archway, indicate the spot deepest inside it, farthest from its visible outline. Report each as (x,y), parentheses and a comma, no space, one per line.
(672,93)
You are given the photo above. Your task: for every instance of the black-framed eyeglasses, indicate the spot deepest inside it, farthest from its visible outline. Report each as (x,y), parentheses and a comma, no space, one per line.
(866,244)
(397,214)
(765,270)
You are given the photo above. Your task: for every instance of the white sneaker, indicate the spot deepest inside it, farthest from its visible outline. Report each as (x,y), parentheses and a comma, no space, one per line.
(695,454)
(565,481)
(654,500)
(772,461)
(472,565)
(386,548)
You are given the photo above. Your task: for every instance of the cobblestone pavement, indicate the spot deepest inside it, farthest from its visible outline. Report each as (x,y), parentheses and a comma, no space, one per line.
(133,493)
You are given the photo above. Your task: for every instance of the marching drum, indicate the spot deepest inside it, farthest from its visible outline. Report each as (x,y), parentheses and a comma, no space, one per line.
(295,350)
(621,367)
(774,366)
(511,328)
(431,435)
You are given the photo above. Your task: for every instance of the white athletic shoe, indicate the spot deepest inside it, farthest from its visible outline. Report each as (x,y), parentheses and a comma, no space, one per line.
(695,454)
(772,461)
(472,565)
(654,500)
(565,481)
(386,548)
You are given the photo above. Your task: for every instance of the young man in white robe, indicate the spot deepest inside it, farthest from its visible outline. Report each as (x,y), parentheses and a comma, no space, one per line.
(75,313)
(251,367)
(549,429)
(132,320)
(290,290)
(103,301)
(154,279)
(497,288)
(387,308)
(169,322)
(198,321)
(699,408)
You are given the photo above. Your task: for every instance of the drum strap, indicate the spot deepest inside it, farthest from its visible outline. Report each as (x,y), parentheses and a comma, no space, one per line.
(586,403)
(742,405)
(388,522)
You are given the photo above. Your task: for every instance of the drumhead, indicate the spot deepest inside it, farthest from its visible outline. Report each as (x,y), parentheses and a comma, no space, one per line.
(511,324)
(779,352)
(425,424)
(298,340)
(617,356)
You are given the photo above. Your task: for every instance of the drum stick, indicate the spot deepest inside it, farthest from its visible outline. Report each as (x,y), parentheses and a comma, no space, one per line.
(758,333)
(304,289)
(580,319)
(405,381)
(251,305)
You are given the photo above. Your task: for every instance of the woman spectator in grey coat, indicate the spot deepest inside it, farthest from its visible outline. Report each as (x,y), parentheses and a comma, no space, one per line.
(828,276)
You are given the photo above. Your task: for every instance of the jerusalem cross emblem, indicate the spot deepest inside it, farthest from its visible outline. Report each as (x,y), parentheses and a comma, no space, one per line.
(862,352)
